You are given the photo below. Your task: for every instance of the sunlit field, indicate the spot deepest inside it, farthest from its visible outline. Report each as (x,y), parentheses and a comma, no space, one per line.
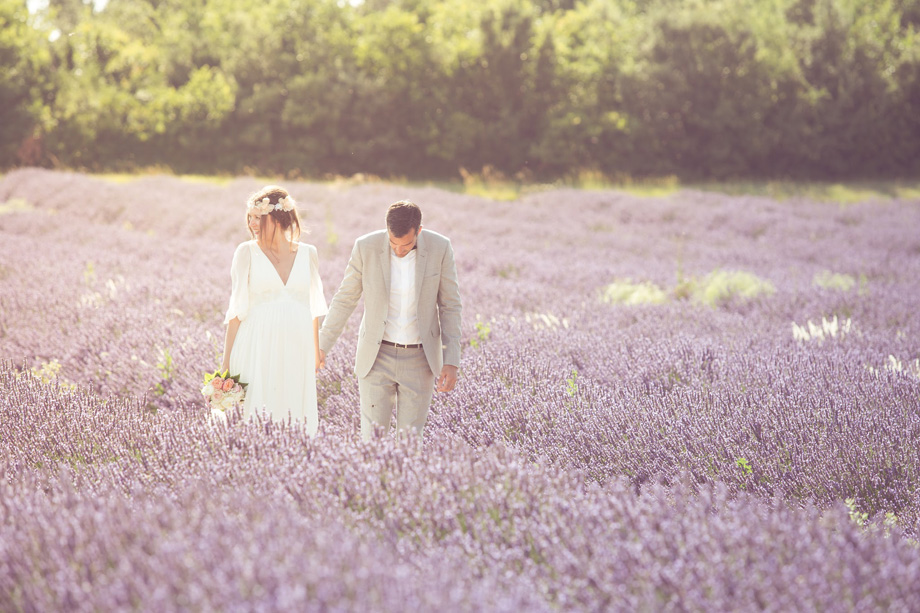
(673,398)
(493,185)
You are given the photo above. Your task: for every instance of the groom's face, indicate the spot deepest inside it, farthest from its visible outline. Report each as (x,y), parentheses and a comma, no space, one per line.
(402,245)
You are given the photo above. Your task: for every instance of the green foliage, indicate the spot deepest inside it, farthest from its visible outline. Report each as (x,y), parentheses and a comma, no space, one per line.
(629,293)
(571,383)
(502,91)
(483,330)
(167,368)
(49,370)
(222,374)
(722,286)
(852,56)
(587,125)
(745,466)
(832,280)
(15,204)
(25,83)
(856,516)
(89,273)
(843,193)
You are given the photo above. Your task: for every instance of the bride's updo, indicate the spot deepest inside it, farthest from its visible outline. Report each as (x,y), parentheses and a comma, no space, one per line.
(276,202)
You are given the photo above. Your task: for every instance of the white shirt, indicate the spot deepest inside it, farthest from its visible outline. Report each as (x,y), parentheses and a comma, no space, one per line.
(402,317)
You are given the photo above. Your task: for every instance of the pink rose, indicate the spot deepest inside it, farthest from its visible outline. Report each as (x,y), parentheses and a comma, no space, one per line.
(217,396)
(228,385)
(217,383)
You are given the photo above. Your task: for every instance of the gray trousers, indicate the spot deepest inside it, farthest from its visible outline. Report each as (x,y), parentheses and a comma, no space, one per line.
(400,379)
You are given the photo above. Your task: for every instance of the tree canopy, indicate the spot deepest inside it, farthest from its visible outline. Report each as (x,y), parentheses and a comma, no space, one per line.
(422,88)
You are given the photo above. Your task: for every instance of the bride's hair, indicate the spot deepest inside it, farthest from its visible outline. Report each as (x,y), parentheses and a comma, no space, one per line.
(288,220)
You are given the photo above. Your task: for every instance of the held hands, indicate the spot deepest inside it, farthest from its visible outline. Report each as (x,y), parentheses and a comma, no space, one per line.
(321,360)
(448,378)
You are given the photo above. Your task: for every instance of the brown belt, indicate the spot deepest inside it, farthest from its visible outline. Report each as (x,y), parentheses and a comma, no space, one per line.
(398,346)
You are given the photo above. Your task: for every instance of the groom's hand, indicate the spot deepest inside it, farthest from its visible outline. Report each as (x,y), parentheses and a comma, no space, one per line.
(448,379)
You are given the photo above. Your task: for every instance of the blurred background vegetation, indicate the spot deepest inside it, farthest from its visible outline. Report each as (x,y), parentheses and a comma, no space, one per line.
(423,89)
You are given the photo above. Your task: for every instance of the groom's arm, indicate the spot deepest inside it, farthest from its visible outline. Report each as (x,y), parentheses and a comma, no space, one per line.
(344,302)
(449,308)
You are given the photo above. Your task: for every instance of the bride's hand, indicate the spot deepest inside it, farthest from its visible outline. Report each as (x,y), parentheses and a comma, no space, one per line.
(321,360)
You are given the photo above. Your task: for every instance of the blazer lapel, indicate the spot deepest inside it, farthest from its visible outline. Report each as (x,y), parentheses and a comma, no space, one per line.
(421,258)
(385,265)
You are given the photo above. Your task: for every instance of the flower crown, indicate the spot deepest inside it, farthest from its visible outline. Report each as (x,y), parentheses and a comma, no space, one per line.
(265,206)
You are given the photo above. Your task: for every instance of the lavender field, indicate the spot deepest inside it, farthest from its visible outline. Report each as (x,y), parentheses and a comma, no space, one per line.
(694,402)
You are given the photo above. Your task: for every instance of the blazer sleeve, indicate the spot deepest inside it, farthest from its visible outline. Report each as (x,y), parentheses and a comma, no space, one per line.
(344,301)
(318,306)
(239,279)
(449,308)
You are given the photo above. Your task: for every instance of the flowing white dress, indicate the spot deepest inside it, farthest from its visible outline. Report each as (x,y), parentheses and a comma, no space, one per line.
(273,351)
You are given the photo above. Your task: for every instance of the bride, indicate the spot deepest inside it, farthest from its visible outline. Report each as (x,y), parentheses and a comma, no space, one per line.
(273,317)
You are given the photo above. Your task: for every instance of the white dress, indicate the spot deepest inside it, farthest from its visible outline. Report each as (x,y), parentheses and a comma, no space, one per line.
(273,351)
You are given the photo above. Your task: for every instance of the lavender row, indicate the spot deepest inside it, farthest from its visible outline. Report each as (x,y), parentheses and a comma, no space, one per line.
(108,506)
(804,421)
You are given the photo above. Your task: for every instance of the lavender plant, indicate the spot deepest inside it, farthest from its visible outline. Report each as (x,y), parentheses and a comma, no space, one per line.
(601,453)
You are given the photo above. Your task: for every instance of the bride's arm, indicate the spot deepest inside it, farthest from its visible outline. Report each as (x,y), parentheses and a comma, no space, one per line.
(320,356)
(239,299)
(232,326)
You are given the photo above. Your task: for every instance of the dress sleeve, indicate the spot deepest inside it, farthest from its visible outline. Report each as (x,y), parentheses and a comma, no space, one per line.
(239,276)
(318,306)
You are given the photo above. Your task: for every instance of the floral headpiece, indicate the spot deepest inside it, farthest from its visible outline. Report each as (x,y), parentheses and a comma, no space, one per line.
(265,206)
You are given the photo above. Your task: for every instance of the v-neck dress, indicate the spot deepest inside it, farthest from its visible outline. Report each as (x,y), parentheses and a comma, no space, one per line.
(273,351)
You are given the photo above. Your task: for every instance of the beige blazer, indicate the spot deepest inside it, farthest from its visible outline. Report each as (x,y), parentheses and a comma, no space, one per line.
(368,275)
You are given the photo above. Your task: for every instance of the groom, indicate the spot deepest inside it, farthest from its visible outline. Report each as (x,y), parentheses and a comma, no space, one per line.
(411,324)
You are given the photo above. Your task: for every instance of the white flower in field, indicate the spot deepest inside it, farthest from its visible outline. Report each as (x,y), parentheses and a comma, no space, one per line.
(898,366)
(815,331)
(92,300)
(545,321)
(894,364)
(829,328)
(799,333)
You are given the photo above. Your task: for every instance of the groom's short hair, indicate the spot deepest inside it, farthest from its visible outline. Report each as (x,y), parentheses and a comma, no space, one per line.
(403,216)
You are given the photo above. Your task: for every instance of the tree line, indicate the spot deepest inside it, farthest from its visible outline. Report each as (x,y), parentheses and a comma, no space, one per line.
(541,89)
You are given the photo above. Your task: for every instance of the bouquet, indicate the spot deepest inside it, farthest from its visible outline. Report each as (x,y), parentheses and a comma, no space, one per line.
(223,391)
